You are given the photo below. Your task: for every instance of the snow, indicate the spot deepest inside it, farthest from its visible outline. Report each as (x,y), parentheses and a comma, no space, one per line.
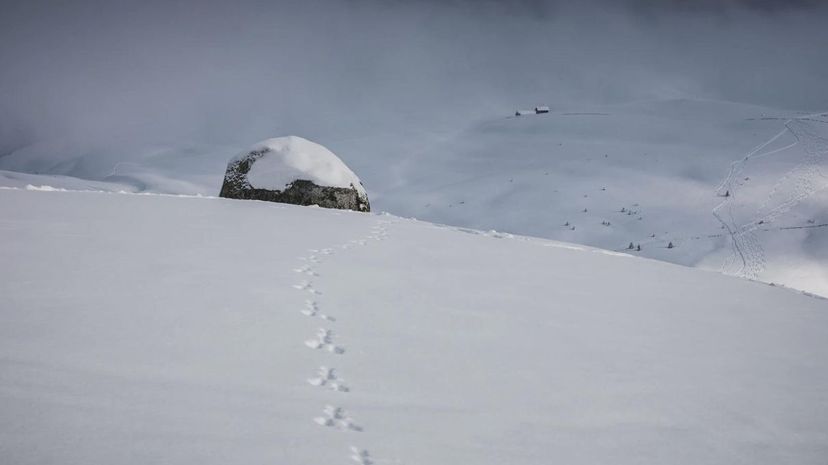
(291,158)
(664,160)
(15,180)
(161,329)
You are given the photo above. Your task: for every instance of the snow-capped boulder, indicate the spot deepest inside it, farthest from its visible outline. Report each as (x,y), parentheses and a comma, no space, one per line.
(294,170)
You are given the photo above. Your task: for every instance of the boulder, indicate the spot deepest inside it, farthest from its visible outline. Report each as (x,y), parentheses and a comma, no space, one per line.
(294,170)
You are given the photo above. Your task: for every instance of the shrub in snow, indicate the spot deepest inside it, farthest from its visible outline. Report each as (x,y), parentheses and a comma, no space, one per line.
(294,170)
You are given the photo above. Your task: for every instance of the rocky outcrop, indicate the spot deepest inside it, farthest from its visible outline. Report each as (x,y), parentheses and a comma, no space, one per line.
(304,188)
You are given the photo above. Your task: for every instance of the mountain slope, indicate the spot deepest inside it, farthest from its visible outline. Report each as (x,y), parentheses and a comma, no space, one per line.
(144,328)
(651,173)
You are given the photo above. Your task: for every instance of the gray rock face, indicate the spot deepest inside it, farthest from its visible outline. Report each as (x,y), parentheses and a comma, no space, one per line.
(299,192)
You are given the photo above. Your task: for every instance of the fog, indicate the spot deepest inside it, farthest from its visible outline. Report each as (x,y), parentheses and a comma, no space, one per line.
(104,74)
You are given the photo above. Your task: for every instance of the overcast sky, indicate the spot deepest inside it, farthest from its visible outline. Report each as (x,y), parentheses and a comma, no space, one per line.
(104,71)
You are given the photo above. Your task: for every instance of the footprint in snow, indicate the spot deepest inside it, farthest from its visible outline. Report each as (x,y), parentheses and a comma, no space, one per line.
(306,286)
(312,309)
(336,417)
(328,378)
(306,270)
(324,341)
(361,456)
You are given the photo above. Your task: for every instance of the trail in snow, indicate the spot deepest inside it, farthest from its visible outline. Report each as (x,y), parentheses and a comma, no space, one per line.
(333,416)
(806,178)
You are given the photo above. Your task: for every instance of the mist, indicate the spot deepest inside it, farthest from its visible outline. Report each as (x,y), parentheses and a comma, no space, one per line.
(96,75)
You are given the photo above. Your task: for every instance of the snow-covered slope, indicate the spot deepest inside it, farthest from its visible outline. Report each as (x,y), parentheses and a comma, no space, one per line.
(158,329)
(650,173)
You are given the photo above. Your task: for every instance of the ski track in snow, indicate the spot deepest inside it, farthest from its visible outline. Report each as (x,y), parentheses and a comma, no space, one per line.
(748,257)
(333,416)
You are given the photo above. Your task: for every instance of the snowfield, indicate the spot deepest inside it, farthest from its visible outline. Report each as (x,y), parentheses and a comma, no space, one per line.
(179,330)
(647,172)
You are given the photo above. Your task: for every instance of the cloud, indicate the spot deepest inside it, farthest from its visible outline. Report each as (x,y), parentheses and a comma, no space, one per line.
(103,73)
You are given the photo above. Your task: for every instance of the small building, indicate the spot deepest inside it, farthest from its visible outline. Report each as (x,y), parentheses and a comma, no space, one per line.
(543,109)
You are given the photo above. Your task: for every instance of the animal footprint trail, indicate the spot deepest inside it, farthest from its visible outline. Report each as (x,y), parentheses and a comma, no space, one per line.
(324,341)
(306,286)
(307,270)
(336,417)
(361,456)
(312,309)
(312,259)
(328,378)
